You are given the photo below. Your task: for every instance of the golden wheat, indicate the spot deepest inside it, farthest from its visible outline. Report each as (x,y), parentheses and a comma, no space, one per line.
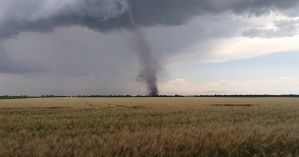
(149,127)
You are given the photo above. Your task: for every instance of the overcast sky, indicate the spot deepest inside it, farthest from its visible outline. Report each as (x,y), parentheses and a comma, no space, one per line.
(82,47)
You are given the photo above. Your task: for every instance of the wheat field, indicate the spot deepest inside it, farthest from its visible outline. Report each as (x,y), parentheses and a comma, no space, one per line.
(187,126)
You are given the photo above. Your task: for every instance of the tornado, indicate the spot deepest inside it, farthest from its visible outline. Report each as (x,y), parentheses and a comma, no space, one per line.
(148,64)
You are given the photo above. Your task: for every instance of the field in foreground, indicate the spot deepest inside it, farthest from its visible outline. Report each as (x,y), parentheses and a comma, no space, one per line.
(149,127)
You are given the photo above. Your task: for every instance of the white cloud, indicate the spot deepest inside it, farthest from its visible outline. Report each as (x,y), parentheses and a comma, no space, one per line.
(178,82)
(234,46)
(284,85)
(240,47)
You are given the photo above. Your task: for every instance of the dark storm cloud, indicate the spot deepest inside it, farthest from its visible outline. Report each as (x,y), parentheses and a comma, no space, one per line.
(106,15)
(283,28)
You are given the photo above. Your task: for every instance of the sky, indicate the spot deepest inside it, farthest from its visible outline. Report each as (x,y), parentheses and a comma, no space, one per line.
(90,47)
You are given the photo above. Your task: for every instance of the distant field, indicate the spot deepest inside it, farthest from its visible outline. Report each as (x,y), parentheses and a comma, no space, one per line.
(149,127)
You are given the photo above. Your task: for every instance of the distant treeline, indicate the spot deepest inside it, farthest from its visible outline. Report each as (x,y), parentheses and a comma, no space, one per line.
(54,96)
(122,96)
(251,95)
(216,95)
(13,96)
(104,96)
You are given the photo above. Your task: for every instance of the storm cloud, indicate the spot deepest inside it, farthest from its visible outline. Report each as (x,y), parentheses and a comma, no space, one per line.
(58,37)
(107,15)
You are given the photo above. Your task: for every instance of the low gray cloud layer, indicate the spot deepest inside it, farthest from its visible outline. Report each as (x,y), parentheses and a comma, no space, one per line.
(9,65)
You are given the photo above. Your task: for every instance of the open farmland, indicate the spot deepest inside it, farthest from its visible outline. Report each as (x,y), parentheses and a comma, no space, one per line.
(149,127)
